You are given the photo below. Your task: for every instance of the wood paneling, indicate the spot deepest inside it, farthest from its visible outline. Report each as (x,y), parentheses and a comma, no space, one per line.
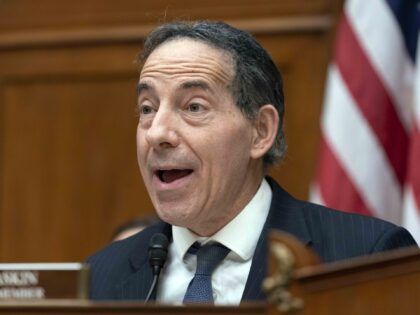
(124,34)
(68,171)
(303,64)
(69,164)
(35,15)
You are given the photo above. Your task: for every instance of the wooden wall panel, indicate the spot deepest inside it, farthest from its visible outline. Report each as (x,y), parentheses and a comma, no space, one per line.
(69,162)
(18,15)
(303,65)
(68,171)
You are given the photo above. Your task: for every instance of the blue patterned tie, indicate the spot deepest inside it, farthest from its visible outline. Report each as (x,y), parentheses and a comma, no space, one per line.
(208,258)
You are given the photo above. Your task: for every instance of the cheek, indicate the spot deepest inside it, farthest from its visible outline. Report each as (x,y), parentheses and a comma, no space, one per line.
(230,150)
(141,151)
(237,140)
(141,143)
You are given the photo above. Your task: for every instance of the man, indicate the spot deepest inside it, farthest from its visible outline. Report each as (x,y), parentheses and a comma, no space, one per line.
(210,105)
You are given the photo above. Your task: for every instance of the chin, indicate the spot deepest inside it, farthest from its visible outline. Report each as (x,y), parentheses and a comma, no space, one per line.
(173,217)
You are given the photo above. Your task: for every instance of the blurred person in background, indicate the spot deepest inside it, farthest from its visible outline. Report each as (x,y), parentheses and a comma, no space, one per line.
(132,227)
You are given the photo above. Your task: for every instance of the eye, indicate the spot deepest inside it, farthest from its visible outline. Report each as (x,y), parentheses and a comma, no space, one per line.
(195,107)
(145,110)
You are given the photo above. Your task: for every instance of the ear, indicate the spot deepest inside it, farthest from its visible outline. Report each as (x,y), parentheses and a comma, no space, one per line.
(265,130)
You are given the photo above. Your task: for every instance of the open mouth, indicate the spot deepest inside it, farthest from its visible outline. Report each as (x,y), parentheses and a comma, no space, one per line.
(168,176)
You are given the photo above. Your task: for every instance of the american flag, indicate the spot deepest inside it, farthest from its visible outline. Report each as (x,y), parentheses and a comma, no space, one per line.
(369,159)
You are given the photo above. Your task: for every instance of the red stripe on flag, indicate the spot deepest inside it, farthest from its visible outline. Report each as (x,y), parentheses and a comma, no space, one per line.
(336,189)
(414,167)
(371,97)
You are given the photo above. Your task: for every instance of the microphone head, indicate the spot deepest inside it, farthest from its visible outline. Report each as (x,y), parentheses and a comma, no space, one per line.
(158,250)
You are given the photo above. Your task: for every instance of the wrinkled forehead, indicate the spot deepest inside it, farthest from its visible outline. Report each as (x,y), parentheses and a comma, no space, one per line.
(188,57)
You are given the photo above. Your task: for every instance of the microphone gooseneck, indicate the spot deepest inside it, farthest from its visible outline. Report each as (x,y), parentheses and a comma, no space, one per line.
(158,251)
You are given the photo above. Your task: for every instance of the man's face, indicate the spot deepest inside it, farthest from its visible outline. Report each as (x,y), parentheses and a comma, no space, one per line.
(193,142)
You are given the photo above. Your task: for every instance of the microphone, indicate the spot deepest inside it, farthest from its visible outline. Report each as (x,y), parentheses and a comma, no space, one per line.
(158,251)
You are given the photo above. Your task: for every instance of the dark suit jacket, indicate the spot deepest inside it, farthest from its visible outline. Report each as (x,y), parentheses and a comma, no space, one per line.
(121,270)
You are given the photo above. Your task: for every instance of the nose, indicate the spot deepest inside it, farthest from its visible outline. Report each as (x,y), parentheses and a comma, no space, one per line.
(163,132)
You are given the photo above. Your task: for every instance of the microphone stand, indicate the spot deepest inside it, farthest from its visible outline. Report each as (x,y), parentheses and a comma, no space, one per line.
(153,288)
(158,250)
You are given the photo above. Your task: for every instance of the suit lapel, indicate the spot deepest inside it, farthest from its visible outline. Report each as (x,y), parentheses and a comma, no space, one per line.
(285,214)
(137,285)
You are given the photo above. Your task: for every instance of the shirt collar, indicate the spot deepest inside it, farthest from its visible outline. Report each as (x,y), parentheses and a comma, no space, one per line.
(240,235)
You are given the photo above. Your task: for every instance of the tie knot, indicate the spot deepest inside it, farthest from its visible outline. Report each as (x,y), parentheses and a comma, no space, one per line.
(209,257)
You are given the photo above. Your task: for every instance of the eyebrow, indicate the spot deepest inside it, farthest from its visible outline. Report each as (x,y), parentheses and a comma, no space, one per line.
(195,84)
(143,86)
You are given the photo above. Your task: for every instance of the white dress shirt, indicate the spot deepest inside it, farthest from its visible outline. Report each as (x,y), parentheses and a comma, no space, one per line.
(228,280)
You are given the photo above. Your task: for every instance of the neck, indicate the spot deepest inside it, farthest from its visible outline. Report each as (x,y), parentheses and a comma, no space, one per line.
(212,226)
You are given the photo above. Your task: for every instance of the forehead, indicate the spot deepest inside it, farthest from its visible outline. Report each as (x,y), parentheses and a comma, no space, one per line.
(187,57)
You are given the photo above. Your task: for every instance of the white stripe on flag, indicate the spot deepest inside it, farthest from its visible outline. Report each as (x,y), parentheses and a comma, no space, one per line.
(374,24)
(359,152)
(416,90)
(411,211)
(411,218)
